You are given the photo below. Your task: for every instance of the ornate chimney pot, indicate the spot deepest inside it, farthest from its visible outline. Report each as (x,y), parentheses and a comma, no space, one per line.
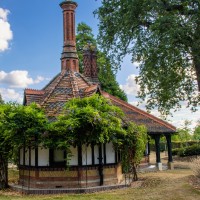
(90,62)
(69,58)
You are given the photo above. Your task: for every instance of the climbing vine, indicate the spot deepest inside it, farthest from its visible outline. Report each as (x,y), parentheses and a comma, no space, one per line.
(95,120)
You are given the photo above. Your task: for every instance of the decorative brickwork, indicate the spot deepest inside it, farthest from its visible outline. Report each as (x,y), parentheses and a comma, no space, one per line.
(69,59)
(90,63)
(74,178)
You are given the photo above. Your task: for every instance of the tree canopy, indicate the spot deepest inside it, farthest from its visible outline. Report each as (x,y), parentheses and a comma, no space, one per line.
(88,120)
(105,74)
(163,36)
(94,120)
(196,134)
(184,133)
(19,125)
(1,100)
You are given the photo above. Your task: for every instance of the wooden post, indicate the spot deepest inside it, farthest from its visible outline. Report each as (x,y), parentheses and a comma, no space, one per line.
(169,147)
(100,165)
(157,143)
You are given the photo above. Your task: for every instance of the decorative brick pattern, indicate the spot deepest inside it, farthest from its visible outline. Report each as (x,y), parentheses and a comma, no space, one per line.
(58,174)
(27,173)
(110,171)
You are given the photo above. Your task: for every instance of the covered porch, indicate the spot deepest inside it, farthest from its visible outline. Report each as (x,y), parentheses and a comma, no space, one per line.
(168,150)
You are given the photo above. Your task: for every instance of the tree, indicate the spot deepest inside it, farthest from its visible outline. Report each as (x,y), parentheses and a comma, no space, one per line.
(84,36)
(87,120)
(94,120)
(132,147)
(184,133)
(20,126)
(163,36)
(196,134)
(106,76)
(1,100)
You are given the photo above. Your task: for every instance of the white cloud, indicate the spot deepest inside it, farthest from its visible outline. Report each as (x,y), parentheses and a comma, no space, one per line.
(18,79)
(136,64)
(5,31)
(183,114)
(11,95)
(131,87)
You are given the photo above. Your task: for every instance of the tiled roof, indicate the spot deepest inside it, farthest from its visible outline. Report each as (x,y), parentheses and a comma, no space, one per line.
(31,95)
(65,86)
(134,114)
(68,85)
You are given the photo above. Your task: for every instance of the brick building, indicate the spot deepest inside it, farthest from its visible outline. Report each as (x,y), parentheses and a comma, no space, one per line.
(90,165)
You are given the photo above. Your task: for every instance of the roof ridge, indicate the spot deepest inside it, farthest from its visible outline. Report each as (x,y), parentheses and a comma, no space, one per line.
(160,121)
(74,84)
(86,79)
(53,88)
(34,91)
(51,81)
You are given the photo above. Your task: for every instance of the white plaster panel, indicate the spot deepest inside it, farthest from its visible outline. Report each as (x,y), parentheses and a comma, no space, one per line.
(86,155)
(21,156)
(74,158)
(110,153)
(43,156)
(59,155)
(32,157)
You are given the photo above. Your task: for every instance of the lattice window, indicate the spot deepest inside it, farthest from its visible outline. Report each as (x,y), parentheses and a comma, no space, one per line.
(63,91)
(53,105)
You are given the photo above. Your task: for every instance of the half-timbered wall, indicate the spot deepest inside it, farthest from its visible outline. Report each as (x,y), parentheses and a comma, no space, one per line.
(108,156)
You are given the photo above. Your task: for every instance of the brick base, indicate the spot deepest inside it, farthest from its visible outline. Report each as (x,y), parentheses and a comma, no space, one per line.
(58,178)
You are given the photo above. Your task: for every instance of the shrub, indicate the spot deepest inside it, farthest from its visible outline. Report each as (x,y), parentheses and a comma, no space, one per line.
(179,144)
(189,151)
(195,166)
(162,146)
(176,151)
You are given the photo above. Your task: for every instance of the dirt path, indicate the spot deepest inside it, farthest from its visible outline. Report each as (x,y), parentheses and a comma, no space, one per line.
(166,185)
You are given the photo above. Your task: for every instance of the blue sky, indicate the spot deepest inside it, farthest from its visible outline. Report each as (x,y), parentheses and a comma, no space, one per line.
(31,38)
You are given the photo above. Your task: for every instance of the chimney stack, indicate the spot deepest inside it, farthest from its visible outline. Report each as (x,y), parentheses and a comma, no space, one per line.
(69,58)
(90,63)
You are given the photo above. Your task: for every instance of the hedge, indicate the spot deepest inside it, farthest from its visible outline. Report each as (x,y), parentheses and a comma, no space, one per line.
(175,145)
(187,151)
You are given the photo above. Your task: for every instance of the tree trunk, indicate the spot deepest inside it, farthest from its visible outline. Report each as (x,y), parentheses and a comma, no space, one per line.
(3,173)
(134,172)
(196,52)
(197,69)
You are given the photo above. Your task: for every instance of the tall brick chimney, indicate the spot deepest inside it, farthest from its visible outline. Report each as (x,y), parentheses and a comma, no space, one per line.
(90,63)
(69,58)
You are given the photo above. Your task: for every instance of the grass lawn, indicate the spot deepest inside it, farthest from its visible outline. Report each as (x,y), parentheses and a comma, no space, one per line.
(166,185)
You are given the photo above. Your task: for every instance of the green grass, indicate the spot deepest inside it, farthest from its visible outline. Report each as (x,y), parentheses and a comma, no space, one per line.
(166,185)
